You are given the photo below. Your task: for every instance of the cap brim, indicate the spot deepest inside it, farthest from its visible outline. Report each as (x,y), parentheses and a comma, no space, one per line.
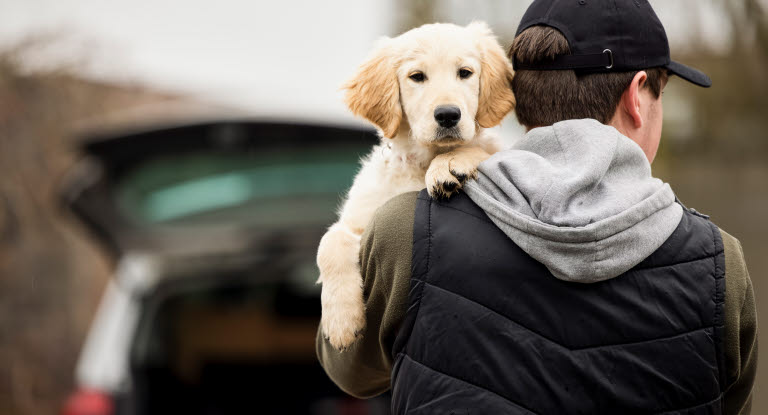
(691,75)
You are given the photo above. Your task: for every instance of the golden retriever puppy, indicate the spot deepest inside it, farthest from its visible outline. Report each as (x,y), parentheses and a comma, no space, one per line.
(430,92)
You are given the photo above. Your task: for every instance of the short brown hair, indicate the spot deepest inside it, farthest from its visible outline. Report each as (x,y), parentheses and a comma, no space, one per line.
(547,97)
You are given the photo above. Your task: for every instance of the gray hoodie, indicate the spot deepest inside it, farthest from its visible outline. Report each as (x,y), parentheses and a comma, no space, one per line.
(578,197)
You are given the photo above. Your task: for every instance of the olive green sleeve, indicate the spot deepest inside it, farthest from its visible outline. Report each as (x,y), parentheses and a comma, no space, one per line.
(363,370)
(740,330)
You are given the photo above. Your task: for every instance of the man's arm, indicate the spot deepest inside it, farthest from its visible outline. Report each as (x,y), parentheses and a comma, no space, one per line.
(364,369)
(740,330)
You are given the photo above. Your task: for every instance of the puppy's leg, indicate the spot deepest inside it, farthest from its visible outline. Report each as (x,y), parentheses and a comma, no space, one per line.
(448,171)
(343,314)
(342,294)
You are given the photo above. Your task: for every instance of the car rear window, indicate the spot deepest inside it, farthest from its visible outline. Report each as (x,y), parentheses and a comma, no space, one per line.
(268,188)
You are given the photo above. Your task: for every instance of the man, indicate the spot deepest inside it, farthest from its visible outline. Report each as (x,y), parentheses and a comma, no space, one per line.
(567,279)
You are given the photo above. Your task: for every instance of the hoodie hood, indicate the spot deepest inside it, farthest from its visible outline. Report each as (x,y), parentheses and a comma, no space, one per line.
(579,197)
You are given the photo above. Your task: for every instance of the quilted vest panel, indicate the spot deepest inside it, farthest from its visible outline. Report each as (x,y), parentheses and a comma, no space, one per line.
(489,330)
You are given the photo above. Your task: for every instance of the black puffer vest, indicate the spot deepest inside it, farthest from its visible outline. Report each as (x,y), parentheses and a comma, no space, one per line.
(490,331)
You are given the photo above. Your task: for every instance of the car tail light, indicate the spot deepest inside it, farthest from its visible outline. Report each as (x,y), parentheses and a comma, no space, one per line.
(88,402)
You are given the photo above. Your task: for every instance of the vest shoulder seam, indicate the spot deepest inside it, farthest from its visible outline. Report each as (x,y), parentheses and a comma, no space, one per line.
(719,299)
(426,268)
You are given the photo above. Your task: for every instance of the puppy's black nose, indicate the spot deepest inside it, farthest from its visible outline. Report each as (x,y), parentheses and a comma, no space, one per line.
(447,116)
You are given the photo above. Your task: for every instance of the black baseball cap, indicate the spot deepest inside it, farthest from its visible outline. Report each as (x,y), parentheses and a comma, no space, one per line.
(606,36)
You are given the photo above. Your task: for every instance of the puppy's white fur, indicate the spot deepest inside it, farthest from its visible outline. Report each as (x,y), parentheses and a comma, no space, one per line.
(413,148)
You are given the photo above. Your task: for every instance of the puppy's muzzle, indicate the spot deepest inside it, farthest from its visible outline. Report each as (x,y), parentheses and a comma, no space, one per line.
(447,116)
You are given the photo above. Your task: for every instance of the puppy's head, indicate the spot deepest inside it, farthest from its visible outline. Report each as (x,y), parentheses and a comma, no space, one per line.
(445,80)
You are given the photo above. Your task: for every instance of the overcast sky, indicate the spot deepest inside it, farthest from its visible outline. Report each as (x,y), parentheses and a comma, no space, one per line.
(285,58)
(282,58)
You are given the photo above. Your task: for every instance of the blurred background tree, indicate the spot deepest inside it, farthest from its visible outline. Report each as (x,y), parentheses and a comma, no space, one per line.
(51,273)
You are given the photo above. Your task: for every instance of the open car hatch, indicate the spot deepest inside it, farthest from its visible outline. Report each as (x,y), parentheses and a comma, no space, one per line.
(210,186)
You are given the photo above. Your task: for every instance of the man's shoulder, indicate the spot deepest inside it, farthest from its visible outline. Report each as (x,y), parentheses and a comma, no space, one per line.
(397,210)
(393,221)
(729,241)
(740,327)
(737,276)
(735,265)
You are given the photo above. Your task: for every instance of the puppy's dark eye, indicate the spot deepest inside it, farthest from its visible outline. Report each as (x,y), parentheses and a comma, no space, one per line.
(464,73)
(417,77)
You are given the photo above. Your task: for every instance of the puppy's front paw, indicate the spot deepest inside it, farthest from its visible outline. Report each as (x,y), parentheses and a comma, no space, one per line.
(343,315)
(447,174)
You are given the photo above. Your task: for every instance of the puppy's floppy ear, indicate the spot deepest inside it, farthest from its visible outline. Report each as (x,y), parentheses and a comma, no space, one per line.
(496,97)
(374,93)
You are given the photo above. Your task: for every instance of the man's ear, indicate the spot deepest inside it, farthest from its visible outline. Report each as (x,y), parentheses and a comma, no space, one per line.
(631,100)
(374,93)
(496,98)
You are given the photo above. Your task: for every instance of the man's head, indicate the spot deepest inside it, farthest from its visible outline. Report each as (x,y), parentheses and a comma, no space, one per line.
(602,59)
(628,100)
